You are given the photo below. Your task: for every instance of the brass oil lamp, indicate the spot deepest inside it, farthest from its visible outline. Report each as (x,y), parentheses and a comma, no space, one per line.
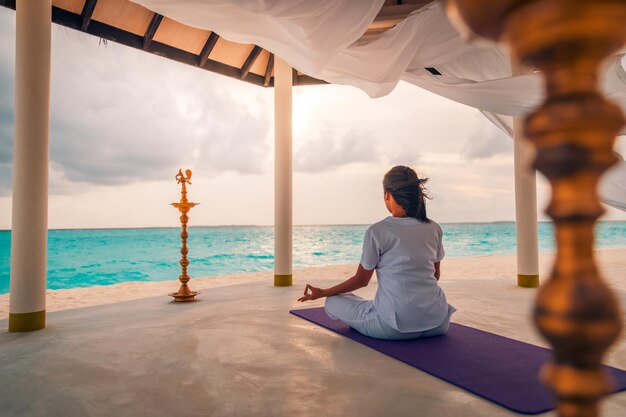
(184,292)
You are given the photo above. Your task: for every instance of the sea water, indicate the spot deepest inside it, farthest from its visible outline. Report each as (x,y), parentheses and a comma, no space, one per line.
(82,258)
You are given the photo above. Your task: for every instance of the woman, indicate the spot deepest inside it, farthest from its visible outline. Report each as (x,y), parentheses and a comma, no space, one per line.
(405,249)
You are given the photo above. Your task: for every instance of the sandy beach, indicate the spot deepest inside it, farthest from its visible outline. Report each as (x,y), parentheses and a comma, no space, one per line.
(237,351)
(612,263)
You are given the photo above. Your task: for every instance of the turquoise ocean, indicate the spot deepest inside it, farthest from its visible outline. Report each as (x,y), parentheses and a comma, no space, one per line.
(86,257)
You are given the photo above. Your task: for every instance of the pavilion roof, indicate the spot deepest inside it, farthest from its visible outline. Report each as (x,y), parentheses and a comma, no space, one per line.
(131,24)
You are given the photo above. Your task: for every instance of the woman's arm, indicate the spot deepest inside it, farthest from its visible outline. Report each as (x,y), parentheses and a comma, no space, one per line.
(359,280)
(437,270)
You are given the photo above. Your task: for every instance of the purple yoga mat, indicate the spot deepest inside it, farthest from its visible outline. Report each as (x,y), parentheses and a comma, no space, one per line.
(496,368)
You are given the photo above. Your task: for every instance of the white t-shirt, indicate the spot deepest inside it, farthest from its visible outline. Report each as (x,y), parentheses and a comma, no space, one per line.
(403,251)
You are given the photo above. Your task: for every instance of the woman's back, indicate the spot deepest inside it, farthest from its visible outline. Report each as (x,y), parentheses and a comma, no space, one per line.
(404,250)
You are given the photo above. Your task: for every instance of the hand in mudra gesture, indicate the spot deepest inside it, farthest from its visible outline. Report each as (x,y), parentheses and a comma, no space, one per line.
(311,293)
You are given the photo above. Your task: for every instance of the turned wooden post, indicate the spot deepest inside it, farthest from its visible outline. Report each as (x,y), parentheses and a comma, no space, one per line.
(573,132)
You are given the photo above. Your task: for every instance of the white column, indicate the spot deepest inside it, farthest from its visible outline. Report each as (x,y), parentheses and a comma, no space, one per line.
(29,234)
(525,210)
(282,174)
(525,204)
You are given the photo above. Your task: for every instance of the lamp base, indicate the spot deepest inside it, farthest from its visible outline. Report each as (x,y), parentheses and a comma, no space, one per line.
(185,297)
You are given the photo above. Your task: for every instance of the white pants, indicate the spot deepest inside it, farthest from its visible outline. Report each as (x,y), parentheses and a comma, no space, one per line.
(359,314)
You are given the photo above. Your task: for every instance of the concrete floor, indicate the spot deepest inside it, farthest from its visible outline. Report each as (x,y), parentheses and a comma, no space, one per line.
(237,352)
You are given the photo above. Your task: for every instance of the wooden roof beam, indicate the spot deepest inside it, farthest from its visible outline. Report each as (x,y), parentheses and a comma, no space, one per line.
(268,71)
(151,31)
(254,54)
(389,16)
(294,76)
(87,13)
(307,80)
(8,3)
(206,50)
(104,31)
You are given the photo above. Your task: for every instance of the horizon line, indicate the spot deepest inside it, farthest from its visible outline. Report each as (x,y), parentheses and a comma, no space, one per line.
(295,225)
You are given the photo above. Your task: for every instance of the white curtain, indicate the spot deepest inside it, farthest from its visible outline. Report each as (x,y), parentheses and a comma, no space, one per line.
(321,38)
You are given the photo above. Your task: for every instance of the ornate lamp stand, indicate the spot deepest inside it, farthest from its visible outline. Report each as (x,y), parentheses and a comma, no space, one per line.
(573,132)
(184,293)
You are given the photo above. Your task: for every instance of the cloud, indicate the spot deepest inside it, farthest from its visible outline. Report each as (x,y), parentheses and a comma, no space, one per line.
(486,142)
(121,116)
(332,150)
(234,138)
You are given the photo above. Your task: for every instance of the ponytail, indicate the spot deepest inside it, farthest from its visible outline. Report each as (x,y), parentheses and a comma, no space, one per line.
(408,190)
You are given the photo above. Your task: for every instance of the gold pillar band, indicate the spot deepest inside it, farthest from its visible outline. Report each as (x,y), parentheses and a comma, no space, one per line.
(27,322)
(527,281)
(283,280)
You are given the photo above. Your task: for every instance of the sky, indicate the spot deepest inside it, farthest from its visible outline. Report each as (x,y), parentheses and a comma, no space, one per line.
(123,122)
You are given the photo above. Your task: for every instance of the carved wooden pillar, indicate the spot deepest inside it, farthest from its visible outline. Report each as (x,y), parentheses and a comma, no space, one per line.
(573,132)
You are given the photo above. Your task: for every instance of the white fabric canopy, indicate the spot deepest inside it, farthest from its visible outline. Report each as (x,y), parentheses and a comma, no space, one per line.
(322,39)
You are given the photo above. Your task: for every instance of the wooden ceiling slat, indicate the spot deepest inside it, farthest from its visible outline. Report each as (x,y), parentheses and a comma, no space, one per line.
(181,36)
(231,53)
(152,28)
(254,54)
(261,63)
(74,6)
(117,35)
(124,15)
(87,13)
(208,47)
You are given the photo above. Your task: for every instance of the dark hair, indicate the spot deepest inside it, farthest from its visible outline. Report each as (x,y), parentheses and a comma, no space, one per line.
(408,190)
